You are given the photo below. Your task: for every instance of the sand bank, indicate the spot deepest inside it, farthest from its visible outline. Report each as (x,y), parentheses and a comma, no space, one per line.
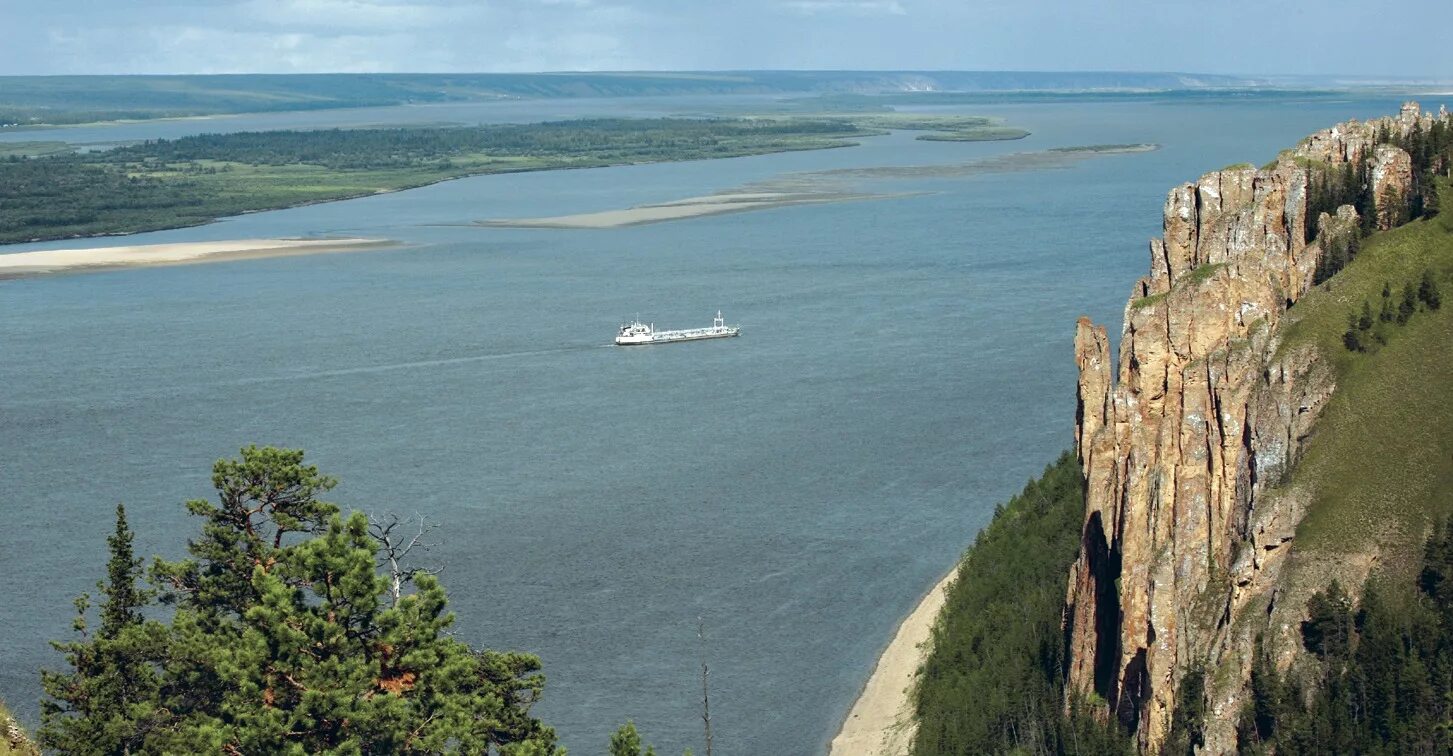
(817,187)
(41,262)
(881,720)
(691,207)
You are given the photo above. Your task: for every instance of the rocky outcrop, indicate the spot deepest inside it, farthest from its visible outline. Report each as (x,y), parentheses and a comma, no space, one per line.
(1204,416)
(15,738)
(1391,174)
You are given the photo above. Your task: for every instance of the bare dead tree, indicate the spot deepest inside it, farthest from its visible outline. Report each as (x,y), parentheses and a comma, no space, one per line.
(705,694)
(397,538)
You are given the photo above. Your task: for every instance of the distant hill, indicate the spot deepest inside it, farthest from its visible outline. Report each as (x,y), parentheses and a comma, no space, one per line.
(33,100)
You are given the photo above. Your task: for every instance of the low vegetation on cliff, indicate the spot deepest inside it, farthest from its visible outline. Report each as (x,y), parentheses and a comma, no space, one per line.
(13,740)
(994,681)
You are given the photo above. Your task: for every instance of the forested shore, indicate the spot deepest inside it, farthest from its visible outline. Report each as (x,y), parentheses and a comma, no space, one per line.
(194,180)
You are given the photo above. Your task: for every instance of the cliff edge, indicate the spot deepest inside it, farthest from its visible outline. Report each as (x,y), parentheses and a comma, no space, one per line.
(1186,440)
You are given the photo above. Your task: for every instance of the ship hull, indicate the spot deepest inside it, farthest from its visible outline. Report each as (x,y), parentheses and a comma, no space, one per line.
(670,338)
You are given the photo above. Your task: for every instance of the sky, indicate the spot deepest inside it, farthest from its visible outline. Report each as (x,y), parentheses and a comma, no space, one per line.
(1257,37)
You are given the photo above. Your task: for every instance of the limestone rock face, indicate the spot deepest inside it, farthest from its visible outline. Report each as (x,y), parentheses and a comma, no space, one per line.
(1391,174)
(1203,418)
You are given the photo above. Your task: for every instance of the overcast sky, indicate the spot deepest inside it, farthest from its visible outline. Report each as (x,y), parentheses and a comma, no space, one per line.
(1360,37)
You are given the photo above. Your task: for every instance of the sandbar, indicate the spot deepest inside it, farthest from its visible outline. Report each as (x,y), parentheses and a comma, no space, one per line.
(816,187)
(691,207)
(881,720)
(47,261)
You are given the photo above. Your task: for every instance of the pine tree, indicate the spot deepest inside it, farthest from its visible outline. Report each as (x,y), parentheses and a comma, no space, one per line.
(1352,338)
(1327,631)
(1428,291)
(1409,304)
(1268,699)
(626,741)
(324,662)
(107,703)
(267,501)
(1187,731)
(1364,321)
(285,639)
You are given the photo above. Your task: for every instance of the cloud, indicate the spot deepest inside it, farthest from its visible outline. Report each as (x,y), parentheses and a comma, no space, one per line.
(846,7)
(210,50)
(283,36)
(339,15)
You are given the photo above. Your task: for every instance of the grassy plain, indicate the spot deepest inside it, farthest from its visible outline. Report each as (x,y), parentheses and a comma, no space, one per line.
(33,149)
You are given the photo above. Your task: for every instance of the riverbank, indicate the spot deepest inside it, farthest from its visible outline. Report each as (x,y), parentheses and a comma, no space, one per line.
(50,261)
(881,720)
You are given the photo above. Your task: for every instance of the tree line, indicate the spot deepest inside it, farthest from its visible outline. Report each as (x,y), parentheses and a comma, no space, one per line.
(371,149)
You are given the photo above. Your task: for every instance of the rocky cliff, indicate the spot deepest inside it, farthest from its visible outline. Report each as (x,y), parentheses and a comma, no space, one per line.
(1183,439)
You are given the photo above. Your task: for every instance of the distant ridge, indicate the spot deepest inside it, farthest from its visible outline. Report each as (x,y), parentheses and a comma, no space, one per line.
(44,99)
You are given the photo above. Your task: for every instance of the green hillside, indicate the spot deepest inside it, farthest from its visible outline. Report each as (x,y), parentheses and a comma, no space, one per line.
(1380,461)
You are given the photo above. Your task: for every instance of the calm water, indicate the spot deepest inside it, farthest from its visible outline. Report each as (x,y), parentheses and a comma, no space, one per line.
(906,364)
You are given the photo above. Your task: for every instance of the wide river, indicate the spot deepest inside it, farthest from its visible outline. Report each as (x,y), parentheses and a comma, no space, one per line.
(905,365)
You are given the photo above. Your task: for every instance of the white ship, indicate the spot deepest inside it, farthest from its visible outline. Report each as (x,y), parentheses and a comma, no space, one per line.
(636,333)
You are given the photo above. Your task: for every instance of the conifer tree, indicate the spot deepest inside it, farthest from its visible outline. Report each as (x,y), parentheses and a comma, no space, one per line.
(284,639)
(1428,291)
(283,620)
(1409,304)
(626,741)
(1328,628)
(1352,338)
(107,702)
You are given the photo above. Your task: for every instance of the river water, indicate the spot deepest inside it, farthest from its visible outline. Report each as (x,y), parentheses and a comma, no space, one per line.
(905,364)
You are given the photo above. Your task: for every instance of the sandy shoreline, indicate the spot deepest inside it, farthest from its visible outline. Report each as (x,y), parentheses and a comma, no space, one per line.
(47,261)
(881,720)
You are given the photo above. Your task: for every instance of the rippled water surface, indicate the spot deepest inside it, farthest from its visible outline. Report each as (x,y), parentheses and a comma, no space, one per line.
(905,364)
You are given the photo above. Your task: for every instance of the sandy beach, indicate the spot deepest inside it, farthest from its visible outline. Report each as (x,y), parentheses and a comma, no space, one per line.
(881,720)
(48,261)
